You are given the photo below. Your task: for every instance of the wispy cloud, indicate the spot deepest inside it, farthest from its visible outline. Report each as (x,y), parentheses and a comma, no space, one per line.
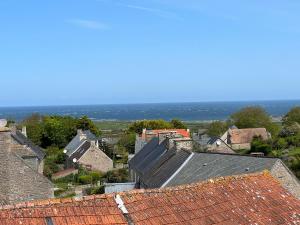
(158,12)
(89,24)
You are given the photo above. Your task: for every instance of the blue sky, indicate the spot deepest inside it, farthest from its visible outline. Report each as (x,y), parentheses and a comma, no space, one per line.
(134,51)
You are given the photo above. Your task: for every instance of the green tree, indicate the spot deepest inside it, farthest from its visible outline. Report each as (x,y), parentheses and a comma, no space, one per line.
(293,116)
(259,145)
(128,142)
(138,126)
(217,128)
(175,123)
(254,117)
(84,123)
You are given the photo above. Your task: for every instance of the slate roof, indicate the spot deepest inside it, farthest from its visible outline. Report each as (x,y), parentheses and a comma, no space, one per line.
(203,166)
(143,160)
(81,150)
(241,136)
(76,142)
(164,168)
(250,199)
(23,140)
(182,132)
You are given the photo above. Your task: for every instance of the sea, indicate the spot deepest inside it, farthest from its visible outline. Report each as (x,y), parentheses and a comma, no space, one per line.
(201,111)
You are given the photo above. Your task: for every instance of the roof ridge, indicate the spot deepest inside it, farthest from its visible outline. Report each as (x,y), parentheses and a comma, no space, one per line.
(200,184)
(236,154)
(56,201)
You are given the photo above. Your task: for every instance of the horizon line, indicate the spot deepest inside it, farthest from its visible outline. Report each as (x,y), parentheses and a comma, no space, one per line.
(152,103)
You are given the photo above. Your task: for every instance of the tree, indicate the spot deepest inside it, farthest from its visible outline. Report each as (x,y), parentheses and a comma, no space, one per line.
(175,123)
(138,126)
(217,128)
(253,117)
(128,142)
(84,123)
(260,145)
(292,117)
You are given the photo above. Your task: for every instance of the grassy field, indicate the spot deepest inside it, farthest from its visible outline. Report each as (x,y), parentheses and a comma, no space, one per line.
(115,126)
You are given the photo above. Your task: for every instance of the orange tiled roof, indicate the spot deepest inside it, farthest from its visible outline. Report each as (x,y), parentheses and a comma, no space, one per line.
(242,136)
(183,132)
(249,199)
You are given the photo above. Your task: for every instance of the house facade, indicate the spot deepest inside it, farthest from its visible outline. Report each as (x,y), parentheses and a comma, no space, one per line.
(20,178)
(84,150)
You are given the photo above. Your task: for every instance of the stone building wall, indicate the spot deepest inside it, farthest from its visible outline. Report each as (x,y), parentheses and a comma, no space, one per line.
(26,184)
(288,180)
(96,159)
(18,181)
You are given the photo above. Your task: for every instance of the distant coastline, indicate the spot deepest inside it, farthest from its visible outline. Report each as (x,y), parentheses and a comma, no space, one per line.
(202,111)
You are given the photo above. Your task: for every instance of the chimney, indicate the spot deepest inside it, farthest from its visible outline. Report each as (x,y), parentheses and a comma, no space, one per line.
(166,134)
(24,131)
(180,144)
(81,134)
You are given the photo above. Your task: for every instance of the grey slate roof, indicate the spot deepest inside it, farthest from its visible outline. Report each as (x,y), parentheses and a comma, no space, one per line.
(164,168)
(147,156)
(23,140)
(81,150)
(76,142)
(203,166)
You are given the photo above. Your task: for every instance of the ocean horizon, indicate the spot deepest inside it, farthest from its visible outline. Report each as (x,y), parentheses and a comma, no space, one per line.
(193,111)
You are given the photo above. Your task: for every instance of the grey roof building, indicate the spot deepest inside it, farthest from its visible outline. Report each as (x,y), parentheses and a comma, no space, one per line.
(157,165)
(84,150)
(19,178)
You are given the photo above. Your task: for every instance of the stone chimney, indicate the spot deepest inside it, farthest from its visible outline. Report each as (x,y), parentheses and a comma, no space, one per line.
(180,144)
(81,134)
(24,131)
(166,134)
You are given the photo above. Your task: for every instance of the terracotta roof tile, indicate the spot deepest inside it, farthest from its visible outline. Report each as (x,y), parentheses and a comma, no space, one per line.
(241,136)
(248,199)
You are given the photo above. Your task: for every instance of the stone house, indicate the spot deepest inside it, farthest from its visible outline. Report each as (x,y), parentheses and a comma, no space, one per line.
(20,178)
(29,152)
(172,162)
(147,135)
(239,139)
(84,150)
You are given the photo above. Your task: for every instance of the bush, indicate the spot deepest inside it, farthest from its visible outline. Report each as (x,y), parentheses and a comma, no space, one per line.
(95,190)
(117,176)
(259,145)
(85,179)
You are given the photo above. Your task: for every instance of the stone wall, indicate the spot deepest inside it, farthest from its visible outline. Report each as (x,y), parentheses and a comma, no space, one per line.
(288,180)
(26,184)
(18,181)
(96,159)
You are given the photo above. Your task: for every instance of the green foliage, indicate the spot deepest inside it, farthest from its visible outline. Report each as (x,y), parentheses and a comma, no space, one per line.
(95,190)
(254,117)
(293,116)
(54,157)
(117,176)
(259,145)
(84,123)
(56,131)
(127,141)
(175,123)
(138,126)
(217,128)
(85,179)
